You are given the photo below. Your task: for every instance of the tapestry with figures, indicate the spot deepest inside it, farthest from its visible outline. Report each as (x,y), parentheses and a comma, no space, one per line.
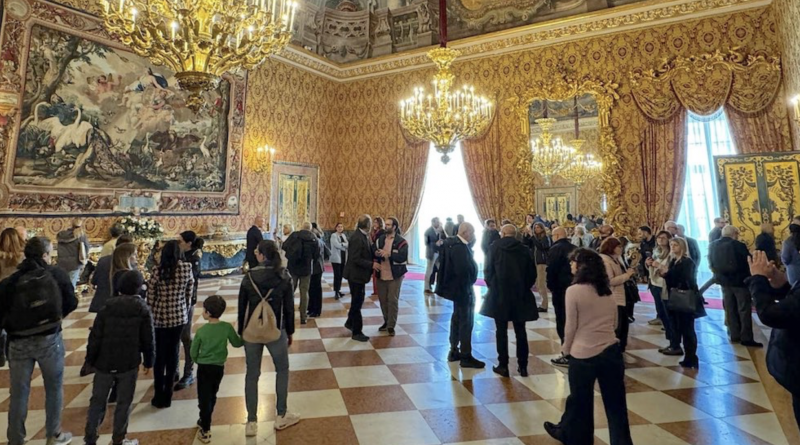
(758,188)
(97,122)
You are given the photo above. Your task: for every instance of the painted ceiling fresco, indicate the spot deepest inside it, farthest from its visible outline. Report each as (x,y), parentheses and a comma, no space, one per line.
(351,30)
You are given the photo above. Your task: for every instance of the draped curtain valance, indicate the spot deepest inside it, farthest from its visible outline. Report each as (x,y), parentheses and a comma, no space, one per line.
(745,87)
(704,84)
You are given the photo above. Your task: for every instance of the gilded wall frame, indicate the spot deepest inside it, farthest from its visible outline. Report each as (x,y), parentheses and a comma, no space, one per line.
(282,207)
(562,86)
(99,155)
(571,194)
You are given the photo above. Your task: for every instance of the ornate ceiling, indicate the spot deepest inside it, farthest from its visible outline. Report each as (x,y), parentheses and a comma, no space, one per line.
(350,30)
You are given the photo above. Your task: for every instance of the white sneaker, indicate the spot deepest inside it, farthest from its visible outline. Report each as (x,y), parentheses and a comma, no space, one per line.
(62,439)
(251,430)
(288,419)
(126,442)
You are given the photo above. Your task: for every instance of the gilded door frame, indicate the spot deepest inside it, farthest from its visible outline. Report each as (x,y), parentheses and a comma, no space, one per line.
(562,86)
(293,168)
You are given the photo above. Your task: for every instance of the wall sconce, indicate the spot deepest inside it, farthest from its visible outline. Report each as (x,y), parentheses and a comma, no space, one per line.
(796,103)
(261,159)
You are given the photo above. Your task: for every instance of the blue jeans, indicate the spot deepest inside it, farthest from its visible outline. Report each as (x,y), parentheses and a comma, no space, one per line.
(661,310)
(74,276)
(23,355)
(279,350)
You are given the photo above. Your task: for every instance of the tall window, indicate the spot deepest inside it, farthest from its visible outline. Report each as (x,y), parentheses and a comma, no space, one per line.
(707,136)
(445,194)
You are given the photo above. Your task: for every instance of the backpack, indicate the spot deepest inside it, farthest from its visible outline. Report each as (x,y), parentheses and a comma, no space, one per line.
(294,250)
(35,304)
(262,326)
(723,257)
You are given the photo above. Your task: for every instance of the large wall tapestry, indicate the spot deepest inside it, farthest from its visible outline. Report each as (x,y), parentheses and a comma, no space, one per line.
(759,188)
(99,125)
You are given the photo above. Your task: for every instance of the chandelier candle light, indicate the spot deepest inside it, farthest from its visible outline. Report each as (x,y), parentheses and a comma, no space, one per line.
(201,39)
(448,115)
(261,159)
(549,155)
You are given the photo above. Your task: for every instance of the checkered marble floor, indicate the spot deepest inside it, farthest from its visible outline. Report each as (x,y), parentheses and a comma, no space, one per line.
(402,391)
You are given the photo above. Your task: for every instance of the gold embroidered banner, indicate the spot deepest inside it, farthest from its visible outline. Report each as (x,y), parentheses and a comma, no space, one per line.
(757,188)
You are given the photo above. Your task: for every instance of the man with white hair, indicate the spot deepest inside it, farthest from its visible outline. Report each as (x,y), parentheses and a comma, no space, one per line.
(728,258)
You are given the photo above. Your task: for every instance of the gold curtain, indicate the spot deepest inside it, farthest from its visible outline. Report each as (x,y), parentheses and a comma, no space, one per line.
(765,131)
(412,159)
(663,150)
(483,162)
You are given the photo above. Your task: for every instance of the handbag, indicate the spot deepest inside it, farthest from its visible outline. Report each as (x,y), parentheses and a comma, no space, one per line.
(262,326)
(683,300)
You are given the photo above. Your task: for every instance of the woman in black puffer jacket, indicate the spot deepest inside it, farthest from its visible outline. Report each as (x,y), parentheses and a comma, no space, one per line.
(268,275)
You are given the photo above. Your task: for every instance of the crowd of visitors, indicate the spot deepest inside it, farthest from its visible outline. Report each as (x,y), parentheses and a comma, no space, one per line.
(586,273)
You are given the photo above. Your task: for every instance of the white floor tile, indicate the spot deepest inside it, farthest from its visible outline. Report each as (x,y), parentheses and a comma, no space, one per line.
(439,395)
(399,356)
(310,404)
(360,376)
(397,428)
(663,379)
(645,434)
(658,407)
(518,417)
(764,426)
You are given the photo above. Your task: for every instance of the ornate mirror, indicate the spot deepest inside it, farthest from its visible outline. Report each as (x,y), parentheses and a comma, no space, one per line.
(566,139)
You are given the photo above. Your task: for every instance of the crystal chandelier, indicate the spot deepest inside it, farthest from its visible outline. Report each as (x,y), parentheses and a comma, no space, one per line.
(448,115)
(549,154)
(583,165)
(201,39)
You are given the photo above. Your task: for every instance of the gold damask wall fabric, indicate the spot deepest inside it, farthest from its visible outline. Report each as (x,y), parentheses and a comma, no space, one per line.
(370,106)
(789,32)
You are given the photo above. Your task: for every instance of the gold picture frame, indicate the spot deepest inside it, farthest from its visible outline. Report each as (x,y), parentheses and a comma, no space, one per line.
(561,86)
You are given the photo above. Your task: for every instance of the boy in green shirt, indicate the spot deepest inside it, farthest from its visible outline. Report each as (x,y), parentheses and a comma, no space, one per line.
(209,351)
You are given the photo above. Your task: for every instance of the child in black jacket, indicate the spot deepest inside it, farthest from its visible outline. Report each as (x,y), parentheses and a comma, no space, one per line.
(120,340)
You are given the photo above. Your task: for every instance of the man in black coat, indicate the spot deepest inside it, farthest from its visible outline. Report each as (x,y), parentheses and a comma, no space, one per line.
(358,272)
(301,250)
(728,258)
(559,278)
(490,235)
(434,238)
(458,274)
(778,306)
(254,236)
(510,274)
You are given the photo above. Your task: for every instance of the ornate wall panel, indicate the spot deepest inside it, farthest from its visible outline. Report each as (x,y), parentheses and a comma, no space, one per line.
(759,188)
(371,104)
(786,18)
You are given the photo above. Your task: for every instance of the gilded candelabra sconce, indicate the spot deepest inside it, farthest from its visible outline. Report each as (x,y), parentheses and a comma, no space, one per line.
(261,159)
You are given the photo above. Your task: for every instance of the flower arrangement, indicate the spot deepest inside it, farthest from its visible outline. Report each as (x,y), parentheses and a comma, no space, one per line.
(142,227)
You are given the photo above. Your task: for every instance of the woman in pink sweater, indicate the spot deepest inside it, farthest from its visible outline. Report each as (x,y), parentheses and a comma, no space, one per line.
(611,252)
(590,341)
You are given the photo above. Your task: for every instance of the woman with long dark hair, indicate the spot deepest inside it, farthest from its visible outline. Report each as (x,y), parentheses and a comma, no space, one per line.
(169,294)
(271,281)
(338,258)
(109,267)
(191,246)
(590,341)
(611,253)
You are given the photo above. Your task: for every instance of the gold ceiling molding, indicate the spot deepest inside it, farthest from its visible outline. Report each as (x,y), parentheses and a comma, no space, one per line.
(618,19)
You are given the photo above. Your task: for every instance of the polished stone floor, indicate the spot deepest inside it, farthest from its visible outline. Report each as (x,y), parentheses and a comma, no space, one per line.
(402,391)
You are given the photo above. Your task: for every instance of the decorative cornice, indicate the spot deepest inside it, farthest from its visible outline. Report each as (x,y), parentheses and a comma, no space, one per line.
(619,19)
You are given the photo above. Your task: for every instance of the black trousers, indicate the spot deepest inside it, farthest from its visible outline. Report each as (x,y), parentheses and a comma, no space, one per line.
(502,343)
(357,293)
(338,269)
(315,295)
(461,324)
(622,327)
(577,423)
(168,341)
(208,380)
(559,297)
(683,329)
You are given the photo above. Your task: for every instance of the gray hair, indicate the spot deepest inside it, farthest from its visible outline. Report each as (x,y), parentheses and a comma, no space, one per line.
(306,226)
(730,231)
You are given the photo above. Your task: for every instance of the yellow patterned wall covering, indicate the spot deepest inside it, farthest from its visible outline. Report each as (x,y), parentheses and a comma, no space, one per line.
(789,33)
(370,109)
(288,108)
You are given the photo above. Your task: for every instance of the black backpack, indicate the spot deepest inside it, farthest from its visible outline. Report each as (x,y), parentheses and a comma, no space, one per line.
(35,304)
(723,257)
